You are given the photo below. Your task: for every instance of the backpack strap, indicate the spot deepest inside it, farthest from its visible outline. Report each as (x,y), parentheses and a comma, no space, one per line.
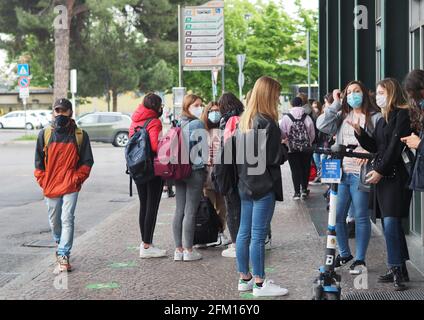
(145,125)
(48,132)
(291,117)
(79,135)
(304,117)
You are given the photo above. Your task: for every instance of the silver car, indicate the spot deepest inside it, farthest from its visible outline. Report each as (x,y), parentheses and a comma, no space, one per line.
(109,127)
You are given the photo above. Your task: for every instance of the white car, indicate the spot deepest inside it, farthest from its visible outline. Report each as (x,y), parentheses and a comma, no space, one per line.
(17,120)
(45,116)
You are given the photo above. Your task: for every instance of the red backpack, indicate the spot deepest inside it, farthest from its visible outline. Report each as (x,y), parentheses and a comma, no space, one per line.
(172,160)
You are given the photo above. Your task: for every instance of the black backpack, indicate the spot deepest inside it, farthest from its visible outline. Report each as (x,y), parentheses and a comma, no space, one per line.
(139,156)
(207,223)
(298,135)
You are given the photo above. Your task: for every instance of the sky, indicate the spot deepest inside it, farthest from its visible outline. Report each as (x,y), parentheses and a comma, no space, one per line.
(289,5)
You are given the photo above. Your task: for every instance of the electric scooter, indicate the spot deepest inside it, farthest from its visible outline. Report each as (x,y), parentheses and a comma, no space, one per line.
(327,285)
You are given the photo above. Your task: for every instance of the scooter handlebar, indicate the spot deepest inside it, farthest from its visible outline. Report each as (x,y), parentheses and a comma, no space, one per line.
(341,151)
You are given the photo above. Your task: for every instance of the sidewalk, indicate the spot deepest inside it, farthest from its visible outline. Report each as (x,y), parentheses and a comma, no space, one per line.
(107,266)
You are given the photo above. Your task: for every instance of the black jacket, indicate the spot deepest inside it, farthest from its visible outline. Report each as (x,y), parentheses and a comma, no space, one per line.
(417,178)
(252,181)
(391,197)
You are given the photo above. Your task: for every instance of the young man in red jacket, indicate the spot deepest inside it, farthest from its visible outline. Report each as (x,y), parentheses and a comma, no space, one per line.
(149,193)
(63,161)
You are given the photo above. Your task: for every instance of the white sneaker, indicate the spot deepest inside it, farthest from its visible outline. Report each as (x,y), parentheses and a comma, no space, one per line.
(230,252)
(178,255)
(151,252)
(165,195)
(200,246)
(269,289)
(192,256)
(268,244)
(245,286)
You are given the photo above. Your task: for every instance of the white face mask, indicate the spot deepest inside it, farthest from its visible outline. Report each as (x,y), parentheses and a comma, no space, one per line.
(381,101)
(196,111)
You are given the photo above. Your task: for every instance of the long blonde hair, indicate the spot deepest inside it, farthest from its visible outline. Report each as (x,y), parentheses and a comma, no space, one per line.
(264,100)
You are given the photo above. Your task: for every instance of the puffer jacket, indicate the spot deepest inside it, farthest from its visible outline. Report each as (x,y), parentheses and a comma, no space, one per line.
(154,128)
(65,168)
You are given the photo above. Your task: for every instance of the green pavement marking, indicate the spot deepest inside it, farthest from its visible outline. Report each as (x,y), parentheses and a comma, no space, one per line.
(133,248)
(102,286)
(269,270)
(120,265)
(250,296)
(163,224)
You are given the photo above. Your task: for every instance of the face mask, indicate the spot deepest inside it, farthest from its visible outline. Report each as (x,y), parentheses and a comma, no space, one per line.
(421,104)
(61,121)
(196,111)
(355,100)
(160,113)
(214,117)
(381,101)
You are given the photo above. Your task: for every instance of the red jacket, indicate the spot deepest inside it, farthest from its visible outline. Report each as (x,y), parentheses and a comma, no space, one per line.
(154,128)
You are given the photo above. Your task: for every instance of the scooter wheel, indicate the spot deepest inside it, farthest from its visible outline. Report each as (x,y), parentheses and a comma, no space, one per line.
(330,297)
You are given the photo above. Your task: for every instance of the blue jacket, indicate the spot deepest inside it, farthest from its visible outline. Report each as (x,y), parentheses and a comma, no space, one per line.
(194,131)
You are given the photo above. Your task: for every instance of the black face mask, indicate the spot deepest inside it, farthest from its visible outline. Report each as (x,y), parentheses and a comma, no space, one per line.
(61,121)
(160,113)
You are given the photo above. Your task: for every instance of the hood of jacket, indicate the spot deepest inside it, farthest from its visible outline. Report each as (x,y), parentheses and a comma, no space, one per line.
(297,112)
(142,114)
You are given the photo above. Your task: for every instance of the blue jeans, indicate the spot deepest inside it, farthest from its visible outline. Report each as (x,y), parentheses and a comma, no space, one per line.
(348,195)
(255,219)
(397,248)
(318,160)
(61,217)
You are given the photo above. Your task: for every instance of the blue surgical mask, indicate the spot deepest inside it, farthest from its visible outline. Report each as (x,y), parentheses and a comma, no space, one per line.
(421,104)
(355,100)
(215,117)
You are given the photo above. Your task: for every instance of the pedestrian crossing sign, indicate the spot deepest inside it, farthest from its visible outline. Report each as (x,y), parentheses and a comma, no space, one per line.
(23,70)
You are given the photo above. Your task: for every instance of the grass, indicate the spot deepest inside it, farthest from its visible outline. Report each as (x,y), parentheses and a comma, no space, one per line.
(28,137)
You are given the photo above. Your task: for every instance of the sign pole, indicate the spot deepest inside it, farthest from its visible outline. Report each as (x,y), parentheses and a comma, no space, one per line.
(24,101)
(308,40)
(180,71)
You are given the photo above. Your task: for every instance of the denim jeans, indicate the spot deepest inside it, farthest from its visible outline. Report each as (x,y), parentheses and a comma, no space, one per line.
(397,248)
(61,217)
(318,158)
(254,224)
(349,195)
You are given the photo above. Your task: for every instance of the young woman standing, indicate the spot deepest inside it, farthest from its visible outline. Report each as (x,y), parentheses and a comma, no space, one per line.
(258,190)
(149,193)
(356,107)
(392,198)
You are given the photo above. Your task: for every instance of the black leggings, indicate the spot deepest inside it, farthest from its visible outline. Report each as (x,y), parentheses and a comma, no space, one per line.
(150,195)
(300,164)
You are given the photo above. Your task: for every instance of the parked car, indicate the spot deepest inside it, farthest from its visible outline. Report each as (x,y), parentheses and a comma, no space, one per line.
(17,120)
(109,127)
(45,116)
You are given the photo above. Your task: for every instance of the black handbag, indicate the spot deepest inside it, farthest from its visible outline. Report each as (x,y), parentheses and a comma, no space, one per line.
(408,159)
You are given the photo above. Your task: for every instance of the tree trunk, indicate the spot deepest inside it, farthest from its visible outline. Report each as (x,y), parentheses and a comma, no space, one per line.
(115,100)
(61,63)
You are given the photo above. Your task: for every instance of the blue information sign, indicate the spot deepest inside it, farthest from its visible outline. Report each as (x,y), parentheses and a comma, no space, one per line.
(331,171)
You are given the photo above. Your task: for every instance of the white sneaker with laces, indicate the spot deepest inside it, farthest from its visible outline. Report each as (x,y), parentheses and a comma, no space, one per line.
(151,252)
(192,256)
(230,252)
(178,255)
(245,286)
(269,289)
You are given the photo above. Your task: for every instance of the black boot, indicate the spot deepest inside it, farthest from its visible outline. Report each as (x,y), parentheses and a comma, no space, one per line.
(405,275)
(387,278)
(397,279)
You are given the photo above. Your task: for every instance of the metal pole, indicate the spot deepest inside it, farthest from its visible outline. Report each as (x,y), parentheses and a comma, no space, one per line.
(223,79)
(309,62)
(25,111)
(213,87)
(180,71)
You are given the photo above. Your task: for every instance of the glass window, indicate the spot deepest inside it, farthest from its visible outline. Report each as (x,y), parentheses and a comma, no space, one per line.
(109,119)
(378,9)
(416,219)
(90,119)
(11,115)
(416,50)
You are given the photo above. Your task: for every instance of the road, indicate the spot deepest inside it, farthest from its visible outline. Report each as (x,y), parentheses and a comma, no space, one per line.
(23,216)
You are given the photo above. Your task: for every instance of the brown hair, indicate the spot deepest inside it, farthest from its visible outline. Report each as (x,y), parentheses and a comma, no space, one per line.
(396,97)
(319,106)
(414,84)
(152,101)
(368,106)
(205,114)
(188,101)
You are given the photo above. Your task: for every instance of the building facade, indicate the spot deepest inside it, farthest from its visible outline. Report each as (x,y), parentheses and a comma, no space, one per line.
(370,40)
